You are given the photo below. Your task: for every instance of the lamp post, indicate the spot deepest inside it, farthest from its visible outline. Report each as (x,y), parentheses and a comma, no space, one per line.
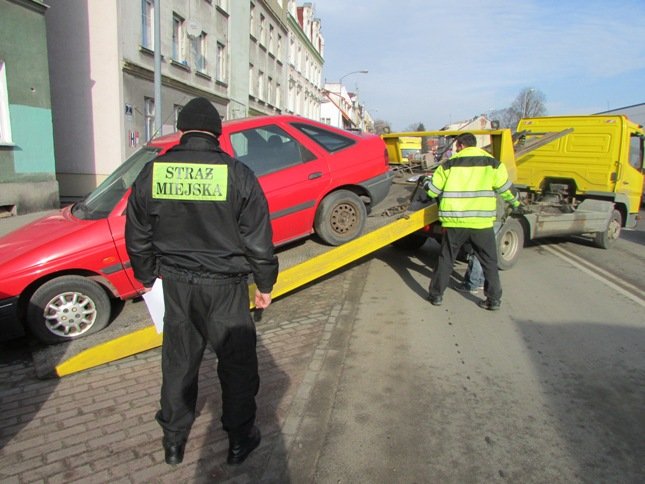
(340,90)
(340,81)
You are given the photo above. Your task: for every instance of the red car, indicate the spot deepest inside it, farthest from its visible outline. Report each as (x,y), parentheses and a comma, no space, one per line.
(58,274)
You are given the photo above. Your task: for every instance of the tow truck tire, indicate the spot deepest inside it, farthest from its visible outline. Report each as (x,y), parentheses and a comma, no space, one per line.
(510,241)
(606,239)
(340,218)
(67,308)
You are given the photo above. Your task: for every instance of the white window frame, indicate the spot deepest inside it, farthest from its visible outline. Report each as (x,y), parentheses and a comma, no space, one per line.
(147,24)
(261,85)
(5,119)
(176,109)
(178,49)
(262,33)
(278,96)
(251,83)
(149,117)
(199,47)
(220,63)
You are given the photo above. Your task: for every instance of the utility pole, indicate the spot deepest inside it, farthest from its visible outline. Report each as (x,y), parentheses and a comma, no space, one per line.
(157,80)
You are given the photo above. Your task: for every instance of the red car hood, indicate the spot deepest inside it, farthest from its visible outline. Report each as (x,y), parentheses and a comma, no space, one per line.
(39,233)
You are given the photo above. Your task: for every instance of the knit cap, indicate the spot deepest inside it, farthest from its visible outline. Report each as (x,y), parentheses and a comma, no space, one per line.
(201,115)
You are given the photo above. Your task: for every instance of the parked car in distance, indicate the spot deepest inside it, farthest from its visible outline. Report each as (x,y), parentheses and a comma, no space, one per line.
(58,274)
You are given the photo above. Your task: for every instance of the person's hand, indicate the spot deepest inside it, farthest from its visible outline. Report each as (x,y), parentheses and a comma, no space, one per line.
(424,182)
(262,299)
(520,209)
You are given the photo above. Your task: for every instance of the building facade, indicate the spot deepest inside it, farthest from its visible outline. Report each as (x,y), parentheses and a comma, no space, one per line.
(236,53)
(27,164)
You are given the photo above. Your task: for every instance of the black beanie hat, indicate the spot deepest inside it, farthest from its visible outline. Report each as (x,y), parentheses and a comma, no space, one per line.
(201,115)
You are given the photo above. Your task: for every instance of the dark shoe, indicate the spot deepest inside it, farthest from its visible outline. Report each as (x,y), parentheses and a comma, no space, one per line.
(490,305)
(174,452)
(239,450)
(435,300)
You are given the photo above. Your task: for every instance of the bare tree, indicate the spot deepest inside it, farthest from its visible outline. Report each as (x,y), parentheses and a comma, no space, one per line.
(528,103)
(413,126)
(381,126)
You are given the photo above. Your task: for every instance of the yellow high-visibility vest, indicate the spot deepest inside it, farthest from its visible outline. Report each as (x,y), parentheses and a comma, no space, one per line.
(467,185)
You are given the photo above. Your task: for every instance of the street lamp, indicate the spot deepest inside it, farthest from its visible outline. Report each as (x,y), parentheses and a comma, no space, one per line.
(340,81)
(341,99)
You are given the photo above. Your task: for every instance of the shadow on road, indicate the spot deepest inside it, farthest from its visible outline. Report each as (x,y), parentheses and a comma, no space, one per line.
(592,375)
(21,393)
(211,466)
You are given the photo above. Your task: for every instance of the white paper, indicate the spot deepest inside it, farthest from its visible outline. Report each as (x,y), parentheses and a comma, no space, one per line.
(154,301)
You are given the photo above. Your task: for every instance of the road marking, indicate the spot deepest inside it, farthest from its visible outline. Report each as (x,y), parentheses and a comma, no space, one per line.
(625,288)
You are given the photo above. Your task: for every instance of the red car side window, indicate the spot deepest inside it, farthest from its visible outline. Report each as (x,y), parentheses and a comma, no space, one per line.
(268,148)
(330,141)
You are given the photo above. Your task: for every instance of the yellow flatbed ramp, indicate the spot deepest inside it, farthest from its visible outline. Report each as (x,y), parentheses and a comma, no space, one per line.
(299,264)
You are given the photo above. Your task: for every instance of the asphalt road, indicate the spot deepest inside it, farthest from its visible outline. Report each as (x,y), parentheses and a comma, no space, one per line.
(548,389)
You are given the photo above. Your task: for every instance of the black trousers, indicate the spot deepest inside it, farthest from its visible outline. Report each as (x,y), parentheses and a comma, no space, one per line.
(483,244)
(214,311)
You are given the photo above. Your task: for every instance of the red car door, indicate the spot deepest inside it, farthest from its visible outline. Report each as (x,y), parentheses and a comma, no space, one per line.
(294,176)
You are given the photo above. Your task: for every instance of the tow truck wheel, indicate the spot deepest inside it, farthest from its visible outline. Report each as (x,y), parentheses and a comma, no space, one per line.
(510,240)
(66,308)
(605,239)
(340,218)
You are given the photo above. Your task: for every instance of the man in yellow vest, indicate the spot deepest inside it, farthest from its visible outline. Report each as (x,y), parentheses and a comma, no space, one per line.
(467,185)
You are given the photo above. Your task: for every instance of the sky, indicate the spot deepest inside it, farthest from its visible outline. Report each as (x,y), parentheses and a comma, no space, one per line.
(439,62)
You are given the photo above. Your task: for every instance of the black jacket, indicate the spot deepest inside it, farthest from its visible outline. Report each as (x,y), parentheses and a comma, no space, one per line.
(199,213)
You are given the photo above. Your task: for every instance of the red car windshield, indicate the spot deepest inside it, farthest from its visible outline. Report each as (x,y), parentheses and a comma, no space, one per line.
(102,200)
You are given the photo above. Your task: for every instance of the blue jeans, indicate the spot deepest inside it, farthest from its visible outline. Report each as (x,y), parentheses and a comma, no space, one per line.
(474,276)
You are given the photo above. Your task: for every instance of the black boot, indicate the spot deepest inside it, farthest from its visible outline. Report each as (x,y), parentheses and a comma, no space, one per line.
(174,452)
(490,304)
(239,449)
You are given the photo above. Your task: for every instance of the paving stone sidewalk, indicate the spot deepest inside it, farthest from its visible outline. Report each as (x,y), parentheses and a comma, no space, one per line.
(98,425)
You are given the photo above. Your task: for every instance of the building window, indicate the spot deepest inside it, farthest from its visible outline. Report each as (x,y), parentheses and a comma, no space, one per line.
(252,20)
(279,49)
(220,67)
(176,109)
(270,90)
(5,120)
(278,96)
(292,52)
(260,89)
(262,30)
(271,39)
(251,83)
(299,59)
(199,52)
(147,24)
(149,117)
(178,39)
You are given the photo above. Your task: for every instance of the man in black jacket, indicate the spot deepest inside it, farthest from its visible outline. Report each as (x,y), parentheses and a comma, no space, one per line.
(198,219)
